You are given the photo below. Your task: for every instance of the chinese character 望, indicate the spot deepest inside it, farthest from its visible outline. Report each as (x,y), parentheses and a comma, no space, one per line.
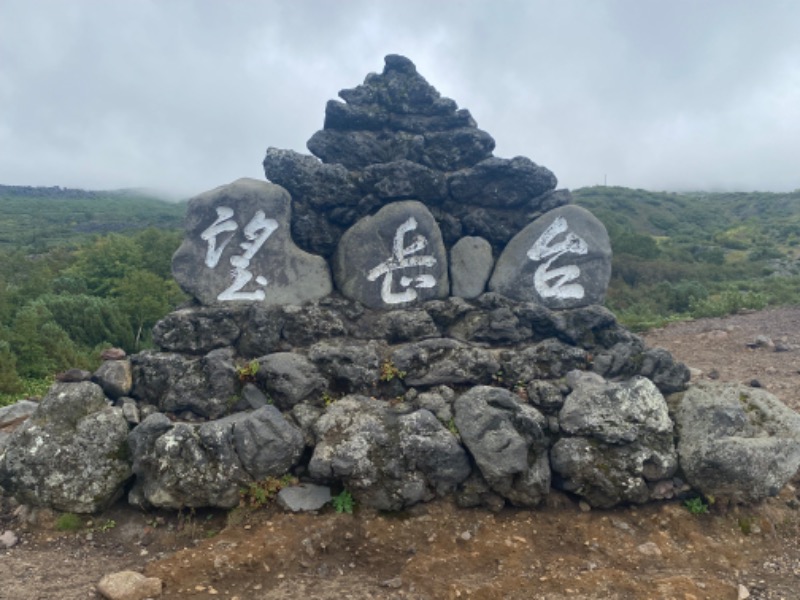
(256,233)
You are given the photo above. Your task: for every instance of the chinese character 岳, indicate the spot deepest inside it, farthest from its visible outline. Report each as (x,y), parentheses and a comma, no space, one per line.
(401,259)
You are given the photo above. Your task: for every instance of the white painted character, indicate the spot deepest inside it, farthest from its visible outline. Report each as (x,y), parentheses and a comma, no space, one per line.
(221,225)
(557,283)
(402,258)
(256,233)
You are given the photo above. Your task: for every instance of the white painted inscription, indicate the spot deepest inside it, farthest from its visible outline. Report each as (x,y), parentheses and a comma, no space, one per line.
(557,283)
(256,233)
(402,258)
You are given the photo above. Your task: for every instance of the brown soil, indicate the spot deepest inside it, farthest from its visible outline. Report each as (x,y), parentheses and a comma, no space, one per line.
(658,551)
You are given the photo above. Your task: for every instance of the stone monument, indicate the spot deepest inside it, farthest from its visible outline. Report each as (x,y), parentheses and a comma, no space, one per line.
(402,315)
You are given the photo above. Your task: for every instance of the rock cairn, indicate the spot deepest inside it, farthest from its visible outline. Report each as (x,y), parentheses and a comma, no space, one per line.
(404,316)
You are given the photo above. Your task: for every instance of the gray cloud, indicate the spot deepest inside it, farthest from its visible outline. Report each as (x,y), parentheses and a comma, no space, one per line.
(186,95)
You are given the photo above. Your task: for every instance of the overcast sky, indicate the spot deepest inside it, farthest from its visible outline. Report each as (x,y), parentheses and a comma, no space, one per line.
(186,95)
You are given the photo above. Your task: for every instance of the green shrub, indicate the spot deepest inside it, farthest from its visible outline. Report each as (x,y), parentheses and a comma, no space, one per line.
(68,522)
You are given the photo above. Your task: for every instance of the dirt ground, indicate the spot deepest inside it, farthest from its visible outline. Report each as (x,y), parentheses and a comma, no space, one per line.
(560,551)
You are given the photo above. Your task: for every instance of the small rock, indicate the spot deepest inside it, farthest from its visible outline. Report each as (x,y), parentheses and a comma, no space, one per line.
(755,383)
(695,373)
(713,374)
(8,540)
(113,354)
(74,376)
(649,549)
(304,497)
(466,536)
(584,506)
(393,583)
(129,585)
(744,593)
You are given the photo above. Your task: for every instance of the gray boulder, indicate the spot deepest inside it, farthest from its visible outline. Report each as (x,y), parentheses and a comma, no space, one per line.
(346,364)
(561,260)
(302,326)
(396,326)
(502,183)
(261,331)
(238,248)
(179,465)
(304,497)
(388,461)
(442,361)
(735,442)
(13,416)
(71,455)
(508,442)
(289,378)
(393,259)
(266,443)
(618,440)
(471,263)
(197,330)
(115,377)
(207,386)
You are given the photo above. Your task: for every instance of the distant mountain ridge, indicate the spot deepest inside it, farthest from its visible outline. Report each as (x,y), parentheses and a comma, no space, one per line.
(62,192)
(37,218)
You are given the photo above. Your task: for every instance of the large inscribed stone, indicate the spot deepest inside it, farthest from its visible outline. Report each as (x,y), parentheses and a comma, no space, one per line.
(238,248)
(561,260)
(393,259)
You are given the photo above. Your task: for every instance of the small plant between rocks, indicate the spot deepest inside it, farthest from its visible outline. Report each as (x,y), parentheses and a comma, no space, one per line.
(343,502)
(390,372)
(260,493)
(68,522)
(696,506)
(247,372)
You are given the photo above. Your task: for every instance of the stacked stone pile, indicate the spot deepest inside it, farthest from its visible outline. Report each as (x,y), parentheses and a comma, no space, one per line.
(404,316)
(395,138)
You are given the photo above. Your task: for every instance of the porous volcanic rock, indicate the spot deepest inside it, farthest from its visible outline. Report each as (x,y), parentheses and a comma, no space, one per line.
(561,260)
(735,442)
(396,138)
(71,454)
(238,248)
(394,258)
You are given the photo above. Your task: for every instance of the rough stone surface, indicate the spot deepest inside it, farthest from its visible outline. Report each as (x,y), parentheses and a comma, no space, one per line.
(238,248)
(181,465)
(174,382)
(444,361)
(8,539)
(349,366)
(387,460)
(393,259)
(618,440)
(17,412)
(561,260)
(502,183)
(508,442)
(471,263)
(395,138)
(115,377)
(197,330)
(266,443)
(736,442)
(289,378)
(304,497)
(129,585)
(12,417)
(71,455)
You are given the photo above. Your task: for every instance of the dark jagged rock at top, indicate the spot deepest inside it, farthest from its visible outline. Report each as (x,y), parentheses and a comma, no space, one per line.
(396,138)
